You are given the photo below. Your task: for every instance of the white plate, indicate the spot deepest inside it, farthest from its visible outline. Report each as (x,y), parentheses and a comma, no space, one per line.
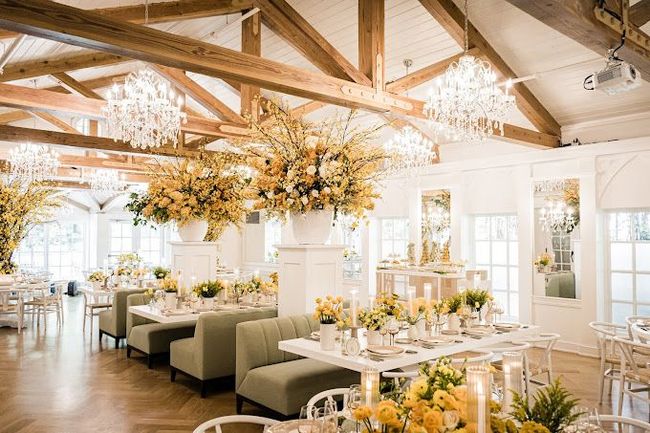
(479,331)
(437,341)
(507,326)
(384,350)
(177,313)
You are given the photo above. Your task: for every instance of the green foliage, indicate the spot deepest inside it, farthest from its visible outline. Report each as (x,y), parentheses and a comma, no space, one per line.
(454,303)
(160,272)
(476,298)
(208,289)
(553,408)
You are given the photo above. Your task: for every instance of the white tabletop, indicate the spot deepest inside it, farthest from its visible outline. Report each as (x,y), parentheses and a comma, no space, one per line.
(181,316)
(311,349)
(421,273)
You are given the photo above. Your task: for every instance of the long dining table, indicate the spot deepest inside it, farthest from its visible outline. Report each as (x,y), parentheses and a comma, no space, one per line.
(413,354)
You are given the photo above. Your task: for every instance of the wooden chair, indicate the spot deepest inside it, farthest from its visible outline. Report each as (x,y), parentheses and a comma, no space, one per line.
(633,372)
(513,347)
(474,357)
(609,358)
(216,423)
(543,364)
(92,306)
(47,302)
(632,320)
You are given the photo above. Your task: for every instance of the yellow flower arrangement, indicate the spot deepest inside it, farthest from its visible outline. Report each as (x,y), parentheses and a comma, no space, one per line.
(389,304)
(210,188)
(168,284)
(21,207)
(329,310)
(303,166)
(544,259)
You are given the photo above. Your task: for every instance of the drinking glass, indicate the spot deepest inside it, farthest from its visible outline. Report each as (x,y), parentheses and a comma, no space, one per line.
(307,415)
(354,401)
(326,418)
(393,330)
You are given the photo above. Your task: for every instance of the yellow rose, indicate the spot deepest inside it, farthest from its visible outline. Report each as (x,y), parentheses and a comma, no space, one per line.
(432,420)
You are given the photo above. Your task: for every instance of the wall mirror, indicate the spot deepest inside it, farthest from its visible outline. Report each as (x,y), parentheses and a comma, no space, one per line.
(557,238)
(436,226)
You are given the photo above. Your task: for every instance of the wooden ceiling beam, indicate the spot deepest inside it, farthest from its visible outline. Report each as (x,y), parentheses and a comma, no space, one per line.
(640,12)
(15,134)
(452,19)
(425,74)
(38,68)
(371,42)
(286,22)
(306,108)
(45,100)
(251,43)
(109,163)
(204,98)
(55,121)
(74,86)
(576,19)
(166,11)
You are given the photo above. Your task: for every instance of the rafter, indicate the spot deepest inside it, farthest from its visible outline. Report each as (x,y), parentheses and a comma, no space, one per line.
(640,12)
(251,43)
(74,86)
(284,20)
(45,100)
(371,42)
(55,121)
(167,11)
(452,19)
(425,74)
(204,98)
(306,108)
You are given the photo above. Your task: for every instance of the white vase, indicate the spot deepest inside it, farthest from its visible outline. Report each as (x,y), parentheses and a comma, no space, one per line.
(314,227)
(193,231)
(221,295)
(170,300)
(208,303)
(327,336)
(96,285)
(453,322)
(374,337)
(421,326)
(412,332)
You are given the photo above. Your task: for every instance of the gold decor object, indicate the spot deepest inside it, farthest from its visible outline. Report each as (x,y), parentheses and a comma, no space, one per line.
(425,257)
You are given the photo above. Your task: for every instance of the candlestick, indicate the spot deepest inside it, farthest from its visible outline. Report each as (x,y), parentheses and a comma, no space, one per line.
(370,386)
(411,295)
(427,292)
(353,306)
(512,378)
(478,401)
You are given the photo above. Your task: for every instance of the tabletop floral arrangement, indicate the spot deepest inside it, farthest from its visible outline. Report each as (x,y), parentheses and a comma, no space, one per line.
(97,277)
(372,319)
(210,188)
(390,304)
(168,284)
(129,260)
(329,311)
(160,272)
(21,208)
(476,298)
(543,260)
(303,166)
(122,271)
(208,289)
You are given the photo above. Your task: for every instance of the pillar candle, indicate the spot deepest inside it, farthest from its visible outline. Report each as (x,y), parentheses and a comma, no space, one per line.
(512,378)
(353,307)
(427,292)
(370,386)
(478,398)
(411,295)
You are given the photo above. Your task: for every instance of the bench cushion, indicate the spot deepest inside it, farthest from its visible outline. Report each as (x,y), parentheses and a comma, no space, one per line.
(286,386)
(155,338)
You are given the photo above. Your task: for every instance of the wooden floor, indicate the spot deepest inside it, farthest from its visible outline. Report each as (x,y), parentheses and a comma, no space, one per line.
(66,381)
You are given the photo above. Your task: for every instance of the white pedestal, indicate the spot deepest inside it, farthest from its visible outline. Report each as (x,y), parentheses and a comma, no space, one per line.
(195,259)
(308,272)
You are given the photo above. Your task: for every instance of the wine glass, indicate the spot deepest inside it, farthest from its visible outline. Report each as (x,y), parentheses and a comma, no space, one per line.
(354,401)
(393,330)
(383,331)
(326,418)
(306,417)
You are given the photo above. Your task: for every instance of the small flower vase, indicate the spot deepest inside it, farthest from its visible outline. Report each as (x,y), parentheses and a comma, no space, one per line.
(412,332)
(453,322)
(327,336)
(97,285)
(124,282)
(208,303)
(374,337)
(170,300)
(421,326)
(541,269)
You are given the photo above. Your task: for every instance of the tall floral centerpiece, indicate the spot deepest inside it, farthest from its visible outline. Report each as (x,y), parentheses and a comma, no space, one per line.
(313,170)
(21,207)
(193,193)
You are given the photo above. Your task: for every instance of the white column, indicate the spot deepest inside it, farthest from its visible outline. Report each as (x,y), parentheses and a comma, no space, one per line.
(308,272)
(195,259)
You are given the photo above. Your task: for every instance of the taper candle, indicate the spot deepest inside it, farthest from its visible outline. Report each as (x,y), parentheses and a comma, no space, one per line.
(353,307)
(427,292)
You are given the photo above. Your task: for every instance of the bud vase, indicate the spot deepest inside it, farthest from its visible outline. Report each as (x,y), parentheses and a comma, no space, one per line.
(374,337)
(208,303)
(327,336)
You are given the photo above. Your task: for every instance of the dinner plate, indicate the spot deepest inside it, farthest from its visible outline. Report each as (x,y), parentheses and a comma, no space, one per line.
(479,331)
(449,332)
(384,350)
(404,340)
(507,326)
(437,341)
(177,313)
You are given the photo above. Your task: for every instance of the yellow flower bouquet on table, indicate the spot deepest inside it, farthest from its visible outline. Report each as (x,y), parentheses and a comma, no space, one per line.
(303,166)
(329,313)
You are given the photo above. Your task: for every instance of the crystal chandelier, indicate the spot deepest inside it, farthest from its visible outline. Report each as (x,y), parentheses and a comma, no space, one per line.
(33,162)
(105,182)
(556,217)
(410,150)
(144,112)
(467,101)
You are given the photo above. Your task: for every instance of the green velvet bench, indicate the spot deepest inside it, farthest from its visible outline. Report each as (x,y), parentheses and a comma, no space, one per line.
(113,321)
(277,380)
(149,338)
(210,353)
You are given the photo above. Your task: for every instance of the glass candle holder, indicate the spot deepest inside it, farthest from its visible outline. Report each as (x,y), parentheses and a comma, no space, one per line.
(478,399)
(370,386)
(513,368)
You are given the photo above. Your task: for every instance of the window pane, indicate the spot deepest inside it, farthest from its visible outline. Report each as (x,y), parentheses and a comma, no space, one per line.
(513,227)
(621,256)
(622,287)
(501,297)
(643,257)
(483,252)
(482,228)
(643,310)
(620,312)
(514,279)
(514,305)
(620,227)
(642,232)
(499,253)
(387,229)
(643,288)
(513,253)
(499,278)
(499,228)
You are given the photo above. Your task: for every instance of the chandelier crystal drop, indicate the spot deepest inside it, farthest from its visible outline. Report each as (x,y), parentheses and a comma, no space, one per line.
(144,112)
(467,102)
(410,150)
(33,162)
(557,217)
(105,182)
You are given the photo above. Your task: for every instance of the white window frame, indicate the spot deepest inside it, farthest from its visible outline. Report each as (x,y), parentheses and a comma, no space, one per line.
(509,310)
(270,240)
(393,239)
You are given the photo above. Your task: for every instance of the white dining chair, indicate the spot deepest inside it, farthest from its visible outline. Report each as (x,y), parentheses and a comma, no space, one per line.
(45,302)
(476,357)
(632,372)
(329,395)
(92,306)
(621,424)
(514,346)
(630,321)
(542,364)
(609,357)
(215,424)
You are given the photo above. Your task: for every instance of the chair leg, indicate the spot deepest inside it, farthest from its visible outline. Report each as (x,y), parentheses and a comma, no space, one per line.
(117,343)
(172,373)
(621,394)
(602,381)
(203,389)
(128,351)
(239,403)
(85,314)
(149,362)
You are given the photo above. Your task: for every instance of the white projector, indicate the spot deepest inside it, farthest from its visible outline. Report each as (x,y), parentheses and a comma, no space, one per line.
(617,78)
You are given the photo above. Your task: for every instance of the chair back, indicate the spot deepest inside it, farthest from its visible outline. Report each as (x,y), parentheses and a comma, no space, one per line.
(216,423)
(605,333)
(328,395)
(620,423)
(475,357)
(628,350)
(631,320)
(514,346)
(547,341)
(118,309)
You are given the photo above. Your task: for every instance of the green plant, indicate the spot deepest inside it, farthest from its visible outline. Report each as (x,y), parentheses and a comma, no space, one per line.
(160,272)
(208,289)
(553,408)
(476,298)
(454,303)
